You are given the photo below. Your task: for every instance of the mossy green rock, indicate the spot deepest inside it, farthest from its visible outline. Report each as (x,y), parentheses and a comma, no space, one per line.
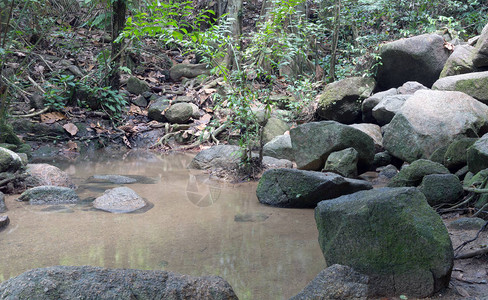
(390,234)
(474,84)
(157,108)
(9,161)
(137,86)
(273,128)
(441,188)
(341,100)
(455,156)
(344,162)
(413,174)
(49,195)
(179,113)
(477,155)
(313,142)
(459,62)
(301,189)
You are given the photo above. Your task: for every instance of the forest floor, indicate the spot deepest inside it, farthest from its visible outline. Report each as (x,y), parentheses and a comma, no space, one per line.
(71,130)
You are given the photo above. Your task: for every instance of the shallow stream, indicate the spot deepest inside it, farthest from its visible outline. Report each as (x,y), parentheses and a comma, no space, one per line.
(195,226)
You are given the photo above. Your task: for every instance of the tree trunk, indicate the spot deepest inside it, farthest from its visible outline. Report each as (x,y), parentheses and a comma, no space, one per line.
(235,13)
(119,8)
(335,40)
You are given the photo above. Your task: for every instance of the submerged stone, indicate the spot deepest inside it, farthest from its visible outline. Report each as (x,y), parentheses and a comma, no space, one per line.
(119,200)
(49,195)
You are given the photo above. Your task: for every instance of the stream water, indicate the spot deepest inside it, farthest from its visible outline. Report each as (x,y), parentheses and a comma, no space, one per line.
(195,226)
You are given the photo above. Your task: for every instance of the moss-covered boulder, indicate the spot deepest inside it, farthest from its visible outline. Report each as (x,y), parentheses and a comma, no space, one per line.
(302,189)
(413,174)
(179,113)
(3,207)
(477,155)
(459,62)
(341,100)
(455,156)
(137,86)
(390,234)
(474,84)
(188,71)
(441,188)
(9,161)
(157,109)
(313,142)
(49,195)
(344,163)
(480,56)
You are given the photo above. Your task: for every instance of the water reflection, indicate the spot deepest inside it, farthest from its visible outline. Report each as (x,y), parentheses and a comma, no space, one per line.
(196,227)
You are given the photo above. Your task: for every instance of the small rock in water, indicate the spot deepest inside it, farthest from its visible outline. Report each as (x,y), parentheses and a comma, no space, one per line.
(119,200)
(250,217)
(49,195)
(58,208)
(4,221)
(116,179)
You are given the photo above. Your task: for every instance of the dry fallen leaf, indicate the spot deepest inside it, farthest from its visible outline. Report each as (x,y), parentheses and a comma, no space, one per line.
(72,146)
(49,118)
(71,128)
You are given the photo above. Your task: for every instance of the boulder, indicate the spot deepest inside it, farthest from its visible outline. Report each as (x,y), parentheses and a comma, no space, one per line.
(336,282)
(179,113)
(413,174)
(460,61)
(420,58)
(195,111)
(473,84)
(4,221)
(9,161)
(45,174)
(119,200)
(455,156)
(86,282)
(388,107)
(188,70)
(344,163)
(139,101)
(410,87)
(49,195)
(477,155)
(374,131)
(391,235)
(370,102)
(480,57)
(220,156)
(279,147)
(137,86)
(274,163)
(313,142)
(304,189)
(382,159)
(3,207)
(432,119)
(273,128)
(157,108)
(441,188)
(341,100)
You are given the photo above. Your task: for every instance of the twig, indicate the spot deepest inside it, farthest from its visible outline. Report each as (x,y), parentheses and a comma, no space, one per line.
(480,210)
(36,84)
(458,248)
(33,114)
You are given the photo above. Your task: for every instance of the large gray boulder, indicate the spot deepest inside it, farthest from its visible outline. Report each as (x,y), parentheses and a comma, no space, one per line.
(273,128)
(410,87)
(9,161)
(313,142)
(86,282)
(455,156)
(460,61)
(179,113)
(119,200)
(341,100)
(388,108)
(420,58)
(413,174)
(336,282)
(279,147)
(220,156)
(390,234)
(49,195)
(137,86)
(300,189)
(369,103)
(441,189)
(473,84)
(480,58)
(431,119)
(374,131)
(188,70)
(343,162)
(477,155)
(45,174)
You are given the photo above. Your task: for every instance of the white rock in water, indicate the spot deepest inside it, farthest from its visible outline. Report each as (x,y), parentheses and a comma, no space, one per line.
(119,200)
